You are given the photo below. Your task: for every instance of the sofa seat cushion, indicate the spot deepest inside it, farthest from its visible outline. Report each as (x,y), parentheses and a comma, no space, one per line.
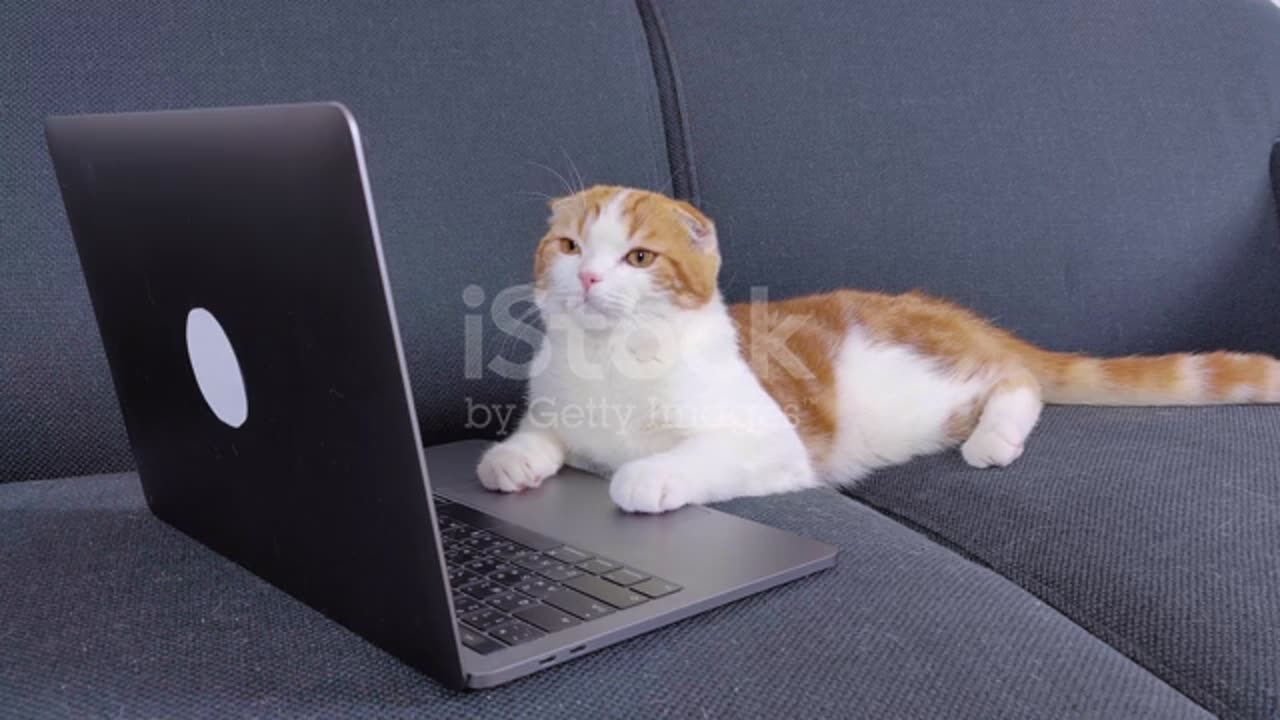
(107,611)
(1158,530)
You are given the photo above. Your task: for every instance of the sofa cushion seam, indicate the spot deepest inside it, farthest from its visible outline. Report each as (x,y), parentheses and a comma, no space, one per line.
(674,123)
(653,104)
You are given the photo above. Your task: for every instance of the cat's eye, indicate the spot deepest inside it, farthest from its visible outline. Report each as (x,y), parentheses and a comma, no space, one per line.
(569,246)
(641,258)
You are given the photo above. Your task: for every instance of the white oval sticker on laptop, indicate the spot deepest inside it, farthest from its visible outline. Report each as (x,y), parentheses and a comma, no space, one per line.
(217,371)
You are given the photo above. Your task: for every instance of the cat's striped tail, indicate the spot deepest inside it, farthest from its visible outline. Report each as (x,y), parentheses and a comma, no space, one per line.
(1217,378)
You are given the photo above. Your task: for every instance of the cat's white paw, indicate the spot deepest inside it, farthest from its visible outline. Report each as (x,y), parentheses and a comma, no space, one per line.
(988,448)
(1006,422)
(649,486)
(518,464)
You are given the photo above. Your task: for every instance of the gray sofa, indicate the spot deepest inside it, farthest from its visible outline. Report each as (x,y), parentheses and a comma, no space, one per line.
(1095,176)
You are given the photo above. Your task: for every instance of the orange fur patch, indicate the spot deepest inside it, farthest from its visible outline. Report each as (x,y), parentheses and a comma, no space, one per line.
(962,422)
(1161,374)
(1229,374)
(800,376)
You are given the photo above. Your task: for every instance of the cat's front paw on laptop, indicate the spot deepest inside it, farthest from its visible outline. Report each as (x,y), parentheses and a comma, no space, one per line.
(649,486)
(521,462)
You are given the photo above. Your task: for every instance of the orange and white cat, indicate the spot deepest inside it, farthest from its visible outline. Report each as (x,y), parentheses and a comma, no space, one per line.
(646,376)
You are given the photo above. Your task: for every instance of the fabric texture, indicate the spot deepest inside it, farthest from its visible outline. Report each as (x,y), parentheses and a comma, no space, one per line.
(109,612)
(1093,176)
(469,113)
(1156,530)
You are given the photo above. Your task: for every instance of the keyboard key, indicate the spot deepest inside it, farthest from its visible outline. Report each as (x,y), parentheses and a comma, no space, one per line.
(597,566)
(509,602)
(509,551)
(559,572)
(569,555)
(513,555)
(625,576)
(477,642)
(653,587)
(459,577)
(455,533)
(483,590)
(484,566)
(577,604)
(484,619)
(615,595)
(463,604)
(481,543)
(460,555)
(510,576)
(515,632)
(535,562)
(503,545)
(536,587)
(546,617)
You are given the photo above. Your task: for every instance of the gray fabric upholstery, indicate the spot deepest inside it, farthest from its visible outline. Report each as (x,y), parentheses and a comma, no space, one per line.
(109,612)
(1157,530)
(460,104)
(1091,174)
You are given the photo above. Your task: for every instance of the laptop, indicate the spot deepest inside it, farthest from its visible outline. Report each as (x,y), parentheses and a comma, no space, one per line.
(233,260)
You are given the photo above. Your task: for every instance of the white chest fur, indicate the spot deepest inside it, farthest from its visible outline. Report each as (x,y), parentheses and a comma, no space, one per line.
(621,396)
(601,412)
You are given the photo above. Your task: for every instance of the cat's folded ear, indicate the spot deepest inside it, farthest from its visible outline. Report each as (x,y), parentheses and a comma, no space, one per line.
(702,232)
(559,205)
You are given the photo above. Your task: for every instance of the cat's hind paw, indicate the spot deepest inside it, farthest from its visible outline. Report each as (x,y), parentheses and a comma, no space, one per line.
(986,448)
(649,486)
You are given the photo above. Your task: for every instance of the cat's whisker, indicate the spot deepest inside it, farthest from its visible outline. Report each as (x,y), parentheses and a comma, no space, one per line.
(568,188)
(534,194)
(733,275)
(582,186)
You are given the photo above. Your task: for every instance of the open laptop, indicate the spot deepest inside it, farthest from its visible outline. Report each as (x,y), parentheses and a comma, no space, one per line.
(233,260)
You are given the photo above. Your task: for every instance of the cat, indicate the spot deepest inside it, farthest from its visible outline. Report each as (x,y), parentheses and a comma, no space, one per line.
(646,376)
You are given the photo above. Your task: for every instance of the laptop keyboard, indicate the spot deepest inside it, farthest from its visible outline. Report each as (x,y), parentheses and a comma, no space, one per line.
(511,585)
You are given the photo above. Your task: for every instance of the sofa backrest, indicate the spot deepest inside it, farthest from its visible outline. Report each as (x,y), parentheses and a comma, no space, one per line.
(461,105)
(1092,175)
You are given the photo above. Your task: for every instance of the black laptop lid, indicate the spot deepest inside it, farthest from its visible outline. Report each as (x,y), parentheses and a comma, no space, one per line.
(234,269)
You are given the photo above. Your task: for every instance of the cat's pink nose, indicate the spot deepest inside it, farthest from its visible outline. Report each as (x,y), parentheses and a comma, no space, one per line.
(588,279)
